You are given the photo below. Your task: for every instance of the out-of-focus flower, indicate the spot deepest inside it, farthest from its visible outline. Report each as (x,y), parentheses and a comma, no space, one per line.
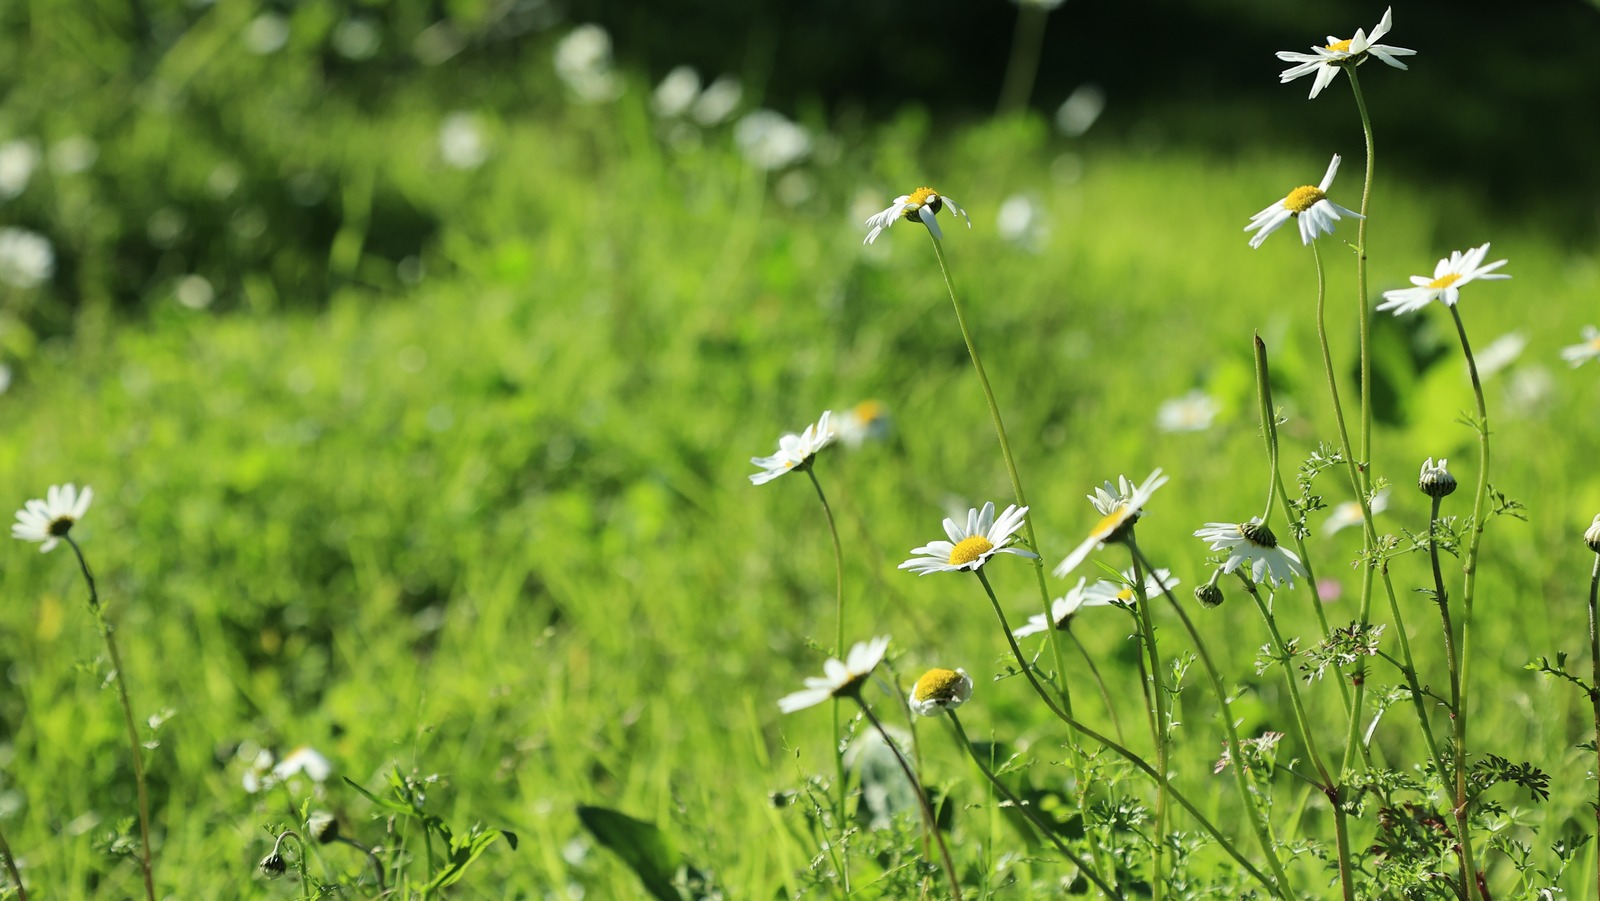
(26,258)
(1307,203)
(18,159)
(1500,353)
(49,520)
(1080,110)
(768,140)
(70,156)
(839,680)
(718,101)
(194,292)
(1106,592)
(1460,268)
(1348,513)
(1193,412)
(583,61)
(266,33)
(1578,354)
(1326,61)
(357,39)
(922,204)
(1022,221)
(676,92)
(461,143)
(866,421)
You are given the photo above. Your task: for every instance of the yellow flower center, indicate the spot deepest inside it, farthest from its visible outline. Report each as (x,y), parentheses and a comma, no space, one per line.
(1595,342)
(1303,198)
(969,550)
(937,685)
(1110,522)
(1444,281)
(923,196)
(869,411)
(1127,596)
(1341,46)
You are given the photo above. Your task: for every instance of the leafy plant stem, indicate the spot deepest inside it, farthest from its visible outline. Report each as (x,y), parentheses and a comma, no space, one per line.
(922,798)
(1163,725)
(838,651)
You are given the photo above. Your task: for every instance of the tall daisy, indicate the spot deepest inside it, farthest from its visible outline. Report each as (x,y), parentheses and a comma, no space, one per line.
(839,679)
(920,205)
(1460,268)
(1326,60)
(1119,507)
(971,546)
(49,520)
(1307,203)
(795,451)
(1254,544)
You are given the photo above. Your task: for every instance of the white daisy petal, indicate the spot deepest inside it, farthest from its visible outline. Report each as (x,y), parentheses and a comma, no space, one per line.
(1327,60)
(984,535)
(48,521)
(794,451)
(840,679)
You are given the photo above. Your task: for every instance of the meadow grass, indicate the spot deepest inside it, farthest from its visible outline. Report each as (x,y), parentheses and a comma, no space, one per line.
(494,524)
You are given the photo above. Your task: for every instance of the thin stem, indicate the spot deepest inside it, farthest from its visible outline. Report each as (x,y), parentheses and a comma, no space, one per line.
(922,798)
(1594,687)
(305,878)
(1276,889)
(1026,809)
(1023,65)
(1470,568)
(838,606)
(1363,314)
(1163,725)
(1011,470)
(1258,818)
(108,632)
(377,866)
(11,867)
(1442,598)
(1100,683)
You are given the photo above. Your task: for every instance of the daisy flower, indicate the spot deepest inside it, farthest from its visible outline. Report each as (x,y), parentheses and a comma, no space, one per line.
(866,421)
(50,520)
(1461,267)
(1348,513)
(1105,592)
(939,690)
(263,773)
(1062,610)
(1578,354)
(972,546)
(922,204)
(1254,544)
(1119,506)
(839,680)
(1309,204)
(1327,60)
(795,451)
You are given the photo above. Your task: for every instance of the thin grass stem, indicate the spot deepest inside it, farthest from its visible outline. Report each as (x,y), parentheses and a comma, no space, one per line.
(922,799)
(838,647)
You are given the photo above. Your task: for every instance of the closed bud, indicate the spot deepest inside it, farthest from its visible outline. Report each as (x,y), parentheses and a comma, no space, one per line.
(1592,537)
(1435,480)
(1209,595)
(273,866)
(323,827)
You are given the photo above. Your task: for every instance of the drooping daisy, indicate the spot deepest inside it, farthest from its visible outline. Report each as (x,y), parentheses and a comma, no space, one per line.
(1348,514)
(1578,354)
(795,451)
(922,204)
(1448,276)
(1193,412)
(1062,610)
(939,690)
(50,520)
(1106,592)
(1327,60)
(1309,204)
(1119,506)
(839,680)
(969,548)
(1253,543)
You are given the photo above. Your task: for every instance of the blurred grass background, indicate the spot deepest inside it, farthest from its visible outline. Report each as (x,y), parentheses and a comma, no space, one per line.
(417,393)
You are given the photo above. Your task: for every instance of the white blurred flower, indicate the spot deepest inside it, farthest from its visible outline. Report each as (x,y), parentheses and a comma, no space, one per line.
(839,680)
(939,690)
(1326,61)
(1307,203)
(5,378)
(794,188)
(770,141)
(1022,221)
(718,101)
(26,258)
(1460,268)
(676,92)
(461,143)
(795,451)
(266,33)
(1080,110)
(1062,610)
(194,292)
(18,159)
(866,421)
(1119,506)
(922,204)
(1528,388)
(73,155)
(583,60)
(1348,513)
(1105,592)
(1253,543)
(262,773)
(1578,354)
(1193,412)
(49,520)
(971,547)
(1500,353)
(357,39)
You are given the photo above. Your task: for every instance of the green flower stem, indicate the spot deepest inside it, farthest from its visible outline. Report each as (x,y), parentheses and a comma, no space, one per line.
(108,632)
(1023,66)
(1443,600)
(1470,579)
(1258,817)
(1026,809)
(1011,469)
(1162,726)
(1100,683)
(838,646)
(16,878)
(1594,687)
(377,865)
(1364,316)
(300,859)
(922,798)
(1276,889)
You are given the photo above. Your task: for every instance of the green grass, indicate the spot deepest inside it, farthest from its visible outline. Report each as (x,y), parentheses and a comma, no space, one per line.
(495,524)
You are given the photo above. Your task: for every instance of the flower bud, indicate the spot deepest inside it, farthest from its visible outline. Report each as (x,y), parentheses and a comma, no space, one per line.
(1436,481)
(273,866)
(1592,537)
(323,827)
(1209,595)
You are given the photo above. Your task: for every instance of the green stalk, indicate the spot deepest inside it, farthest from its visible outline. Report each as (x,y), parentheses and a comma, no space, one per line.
(1443,600)
(838,582)
(1163,723)
(1364,315)
(109,634)
(1023,65)
(1026,809)
(16,878)
(1469,587)
(1276,889)
(1258,817)
(922,799)
(1594,687)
